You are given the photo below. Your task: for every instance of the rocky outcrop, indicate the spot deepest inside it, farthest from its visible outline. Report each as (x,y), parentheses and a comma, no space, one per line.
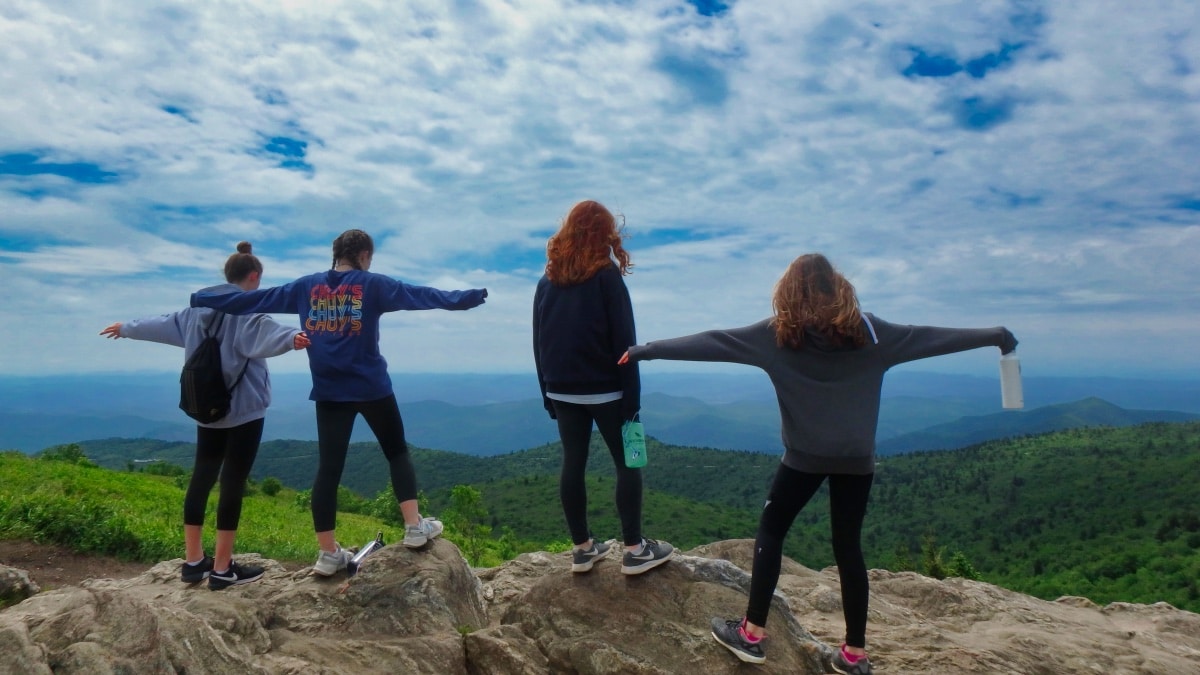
(15,585)
(426,611)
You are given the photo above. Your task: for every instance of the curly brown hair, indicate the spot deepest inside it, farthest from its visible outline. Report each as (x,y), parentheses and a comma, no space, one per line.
(587,242)
(813,296)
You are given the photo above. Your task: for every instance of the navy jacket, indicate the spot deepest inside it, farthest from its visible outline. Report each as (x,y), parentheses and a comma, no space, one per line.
(579,332)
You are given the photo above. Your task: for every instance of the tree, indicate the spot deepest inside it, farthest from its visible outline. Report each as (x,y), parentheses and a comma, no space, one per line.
(931,557)
(70,453)
(960,566)
(466,515)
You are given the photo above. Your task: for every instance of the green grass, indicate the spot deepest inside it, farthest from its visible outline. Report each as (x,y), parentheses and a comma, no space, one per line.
(138,517)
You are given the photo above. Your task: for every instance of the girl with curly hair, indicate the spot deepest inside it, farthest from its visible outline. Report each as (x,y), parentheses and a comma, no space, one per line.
(826,359)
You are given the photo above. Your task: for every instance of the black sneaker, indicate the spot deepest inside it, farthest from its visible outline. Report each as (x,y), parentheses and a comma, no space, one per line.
(582,561)
(860,667)
(191,574)
(729,634)
(654,553)
(236,575)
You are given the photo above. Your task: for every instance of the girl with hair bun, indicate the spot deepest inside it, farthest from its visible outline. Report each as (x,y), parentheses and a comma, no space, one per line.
(226,448)
(340,310)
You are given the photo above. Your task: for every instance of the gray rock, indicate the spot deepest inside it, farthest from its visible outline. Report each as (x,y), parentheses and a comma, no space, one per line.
(15,586)
(426,611)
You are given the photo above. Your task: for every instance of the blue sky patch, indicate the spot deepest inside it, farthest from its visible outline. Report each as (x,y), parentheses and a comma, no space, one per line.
(1188,204)
(30,164)
(178,112)
(270,95)
(931,65)
(669,235)
(291,151)
(1013,200)
(704,83)
(709,7)
(976,113)
(927,64)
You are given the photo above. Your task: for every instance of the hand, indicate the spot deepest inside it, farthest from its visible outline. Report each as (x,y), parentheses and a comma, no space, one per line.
(112,331)
(301,341)
(624,358)
(1008,343)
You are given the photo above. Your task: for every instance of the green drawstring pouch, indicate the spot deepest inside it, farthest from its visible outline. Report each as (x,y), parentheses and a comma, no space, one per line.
(633,435)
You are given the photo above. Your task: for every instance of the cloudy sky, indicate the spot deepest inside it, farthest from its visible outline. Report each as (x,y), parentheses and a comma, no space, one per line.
(1031,163)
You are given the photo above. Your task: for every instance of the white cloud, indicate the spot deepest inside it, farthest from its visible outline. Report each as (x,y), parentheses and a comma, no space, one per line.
(1061,183)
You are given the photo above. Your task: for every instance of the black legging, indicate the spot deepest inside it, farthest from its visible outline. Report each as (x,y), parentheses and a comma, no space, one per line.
(575,431)
(229,454)
(335,422)
(790,491)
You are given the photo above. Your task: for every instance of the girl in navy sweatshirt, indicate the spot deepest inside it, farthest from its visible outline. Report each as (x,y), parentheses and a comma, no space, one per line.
(582,321)
(826,359)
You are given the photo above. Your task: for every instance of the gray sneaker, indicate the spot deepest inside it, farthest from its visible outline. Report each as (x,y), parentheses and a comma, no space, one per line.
(653,554)
(416,536)
(860,667)
(582,561)
(729,634)
(329,564)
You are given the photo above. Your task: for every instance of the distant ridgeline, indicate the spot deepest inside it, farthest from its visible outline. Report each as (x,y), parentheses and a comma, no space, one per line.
(1098,511)
(498,414)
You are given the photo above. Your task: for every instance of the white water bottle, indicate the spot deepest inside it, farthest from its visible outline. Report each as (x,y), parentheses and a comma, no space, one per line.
(1011,395)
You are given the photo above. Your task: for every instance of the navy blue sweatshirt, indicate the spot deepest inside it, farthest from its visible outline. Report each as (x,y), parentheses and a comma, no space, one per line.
(340,312)
(579,332)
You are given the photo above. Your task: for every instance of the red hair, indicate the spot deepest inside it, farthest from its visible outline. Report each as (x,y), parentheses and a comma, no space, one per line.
(587,242)
(813,296)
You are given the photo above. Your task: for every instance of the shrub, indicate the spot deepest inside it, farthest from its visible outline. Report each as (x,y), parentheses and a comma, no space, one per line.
(271,486)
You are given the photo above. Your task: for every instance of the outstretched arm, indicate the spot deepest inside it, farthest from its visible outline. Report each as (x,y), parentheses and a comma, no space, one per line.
(277,300)
(165,329)
(261,337)
(404,296)
(739,345)
(911,343)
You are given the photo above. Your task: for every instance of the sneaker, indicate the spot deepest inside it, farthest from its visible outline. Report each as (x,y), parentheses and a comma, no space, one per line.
(236,575)
(654,553)
(582,561)
(729,634)
(191,574)
(329,564)
(841,664)
(416,536)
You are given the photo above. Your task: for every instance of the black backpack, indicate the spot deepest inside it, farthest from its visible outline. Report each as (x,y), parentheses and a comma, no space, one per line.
(202,392)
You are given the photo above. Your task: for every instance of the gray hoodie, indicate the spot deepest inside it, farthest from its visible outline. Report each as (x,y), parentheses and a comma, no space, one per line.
(828,397)
(246,341)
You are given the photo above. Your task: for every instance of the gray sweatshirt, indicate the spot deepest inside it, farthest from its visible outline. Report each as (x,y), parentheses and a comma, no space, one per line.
(828,397)
(244,339)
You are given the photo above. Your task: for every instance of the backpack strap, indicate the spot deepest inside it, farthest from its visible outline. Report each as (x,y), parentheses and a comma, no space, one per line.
(215,326)
(239,380)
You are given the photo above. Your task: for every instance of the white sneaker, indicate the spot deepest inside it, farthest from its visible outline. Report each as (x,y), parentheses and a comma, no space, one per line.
(416,536)
(329,564)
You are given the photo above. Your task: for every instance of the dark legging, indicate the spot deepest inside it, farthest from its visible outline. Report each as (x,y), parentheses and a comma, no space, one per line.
(229,454)
(335,422)
(790,491)
(575,430)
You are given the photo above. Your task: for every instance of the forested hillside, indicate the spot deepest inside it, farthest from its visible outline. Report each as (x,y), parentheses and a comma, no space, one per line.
(1108,513)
